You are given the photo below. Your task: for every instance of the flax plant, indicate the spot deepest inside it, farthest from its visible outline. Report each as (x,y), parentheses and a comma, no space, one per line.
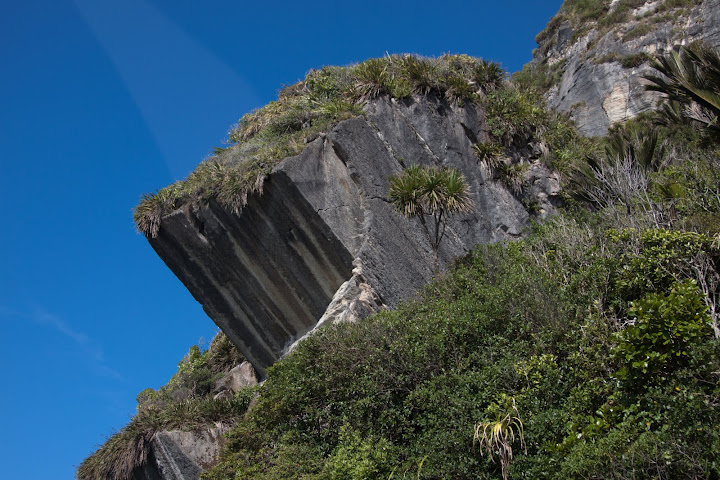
(499,435)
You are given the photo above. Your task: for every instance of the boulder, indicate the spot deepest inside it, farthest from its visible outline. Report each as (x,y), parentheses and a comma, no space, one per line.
(239,377)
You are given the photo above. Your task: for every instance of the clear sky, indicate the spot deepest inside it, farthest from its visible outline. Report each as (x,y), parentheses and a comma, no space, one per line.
(103,100)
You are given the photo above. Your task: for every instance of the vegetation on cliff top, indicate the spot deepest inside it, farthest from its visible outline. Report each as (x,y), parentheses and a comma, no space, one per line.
(283,127)
(606,14)
(625,17)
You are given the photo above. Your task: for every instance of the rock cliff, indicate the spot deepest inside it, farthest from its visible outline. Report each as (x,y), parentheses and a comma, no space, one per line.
(595,63)
(321,243)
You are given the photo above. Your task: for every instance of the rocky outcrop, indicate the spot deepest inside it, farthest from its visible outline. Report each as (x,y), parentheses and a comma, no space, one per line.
(602,67)
(178,455)
(321,243)
(239,377)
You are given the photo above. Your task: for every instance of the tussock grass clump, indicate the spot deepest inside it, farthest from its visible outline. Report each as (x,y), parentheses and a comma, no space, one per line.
(186,402)
(282,128)
(458,77)
(128,448)
(518,126)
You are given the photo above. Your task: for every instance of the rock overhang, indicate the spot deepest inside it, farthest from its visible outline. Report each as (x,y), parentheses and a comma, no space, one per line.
(322,241)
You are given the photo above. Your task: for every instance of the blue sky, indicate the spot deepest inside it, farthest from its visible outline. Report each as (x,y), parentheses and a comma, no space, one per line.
(103,100)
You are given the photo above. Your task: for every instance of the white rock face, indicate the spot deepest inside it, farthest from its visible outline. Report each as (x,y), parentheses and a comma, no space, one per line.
(616,103)
(596,89)
(239,377)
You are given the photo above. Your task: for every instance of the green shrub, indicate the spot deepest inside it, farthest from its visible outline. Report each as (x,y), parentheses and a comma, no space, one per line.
(585,10)
(653,260)
(635,60)
(609,57)
(422,74)
(358,457)
(514,116)
(540,78)
(552,26)
(665,328)
(638,31)
(373,78)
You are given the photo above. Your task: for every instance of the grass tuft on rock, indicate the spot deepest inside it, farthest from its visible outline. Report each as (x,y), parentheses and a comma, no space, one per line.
(282,128)
(186,403)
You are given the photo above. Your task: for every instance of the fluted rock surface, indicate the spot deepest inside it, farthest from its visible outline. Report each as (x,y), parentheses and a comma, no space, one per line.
(178,455)
(322,242)
(601,67)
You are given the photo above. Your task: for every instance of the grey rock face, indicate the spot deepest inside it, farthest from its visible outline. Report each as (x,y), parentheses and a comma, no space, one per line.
(596,89)
(322,242)
(236,379)
(177,455)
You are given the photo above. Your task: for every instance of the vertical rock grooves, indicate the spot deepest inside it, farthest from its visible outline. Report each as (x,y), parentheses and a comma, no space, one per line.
(322,241)
(265,276)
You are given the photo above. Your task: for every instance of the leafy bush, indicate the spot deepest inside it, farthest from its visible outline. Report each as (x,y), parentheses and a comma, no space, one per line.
(536,321)
(665,329)
(585,10)
(635,60)
(514,116)
(653,260)
(638,31)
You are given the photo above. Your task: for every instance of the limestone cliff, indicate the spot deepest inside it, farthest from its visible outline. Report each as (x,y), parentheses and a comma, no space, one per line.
(594,60)
(322,243)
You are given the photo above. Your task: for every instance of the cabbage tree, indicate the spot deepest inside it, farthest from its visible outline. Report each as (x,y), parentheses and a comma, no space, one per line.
(430,194)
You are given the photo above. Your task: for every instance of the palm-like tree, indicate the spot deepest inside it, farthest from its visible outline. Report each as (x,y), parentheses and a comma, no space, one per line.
(431,194)
(690,76)
(499,435)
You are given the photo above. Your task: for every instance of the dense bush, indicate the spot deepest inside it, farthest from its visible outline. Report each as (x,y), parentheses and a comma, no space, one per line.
(540,321)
